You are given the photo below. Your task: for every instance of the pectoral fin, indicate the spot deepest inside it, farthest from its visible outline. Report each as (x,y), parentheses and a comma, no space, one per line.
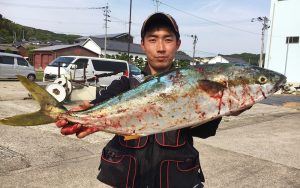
(131,137)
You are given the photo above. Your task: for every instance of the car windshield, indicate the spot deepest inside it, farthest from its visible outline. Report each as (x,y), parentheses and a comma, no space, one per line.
(134,70)
(61,61)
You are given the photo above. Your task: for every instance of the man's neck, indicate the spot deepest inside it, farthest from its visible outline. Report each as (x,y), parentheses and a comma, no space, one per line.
(156,71)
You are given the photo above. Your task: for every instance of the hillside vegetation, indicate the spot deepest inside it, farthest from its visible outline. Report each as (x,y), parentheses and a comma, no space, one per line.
(7,29)
(252,59)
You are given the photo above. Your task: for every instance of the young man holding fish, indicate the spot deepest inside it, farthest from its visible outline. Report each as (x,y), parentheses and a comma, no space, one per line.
(161,160)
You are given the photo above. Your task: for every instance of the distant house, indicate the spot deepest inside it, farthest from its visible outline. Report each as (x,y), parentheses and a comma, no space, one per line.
(22,50)
(43,56)
(225,59)
(283,44)
(121,37)
(8,48)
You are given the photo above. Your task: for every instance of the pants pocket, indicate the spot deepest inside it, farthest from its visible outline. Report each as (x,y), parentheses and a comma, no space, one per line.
(180,173)
(117,170)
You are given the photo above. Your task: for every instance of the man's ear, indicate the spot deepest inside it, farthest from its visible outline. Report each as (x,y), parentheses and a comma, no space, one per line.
(178,43)
(142,44)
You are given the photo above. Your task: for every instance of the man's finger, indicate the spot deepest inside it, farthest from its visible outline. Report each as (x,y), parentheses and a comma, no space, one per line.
(85,105)
(61,123)
(86,131)
(72,129)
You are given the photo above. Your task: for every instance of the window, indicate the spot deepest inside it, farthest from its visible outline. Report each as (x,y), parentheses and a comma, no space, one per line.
(290,40)
(81,63)
(134,70)
(22,62)
(109,66)
(7,60)
(60,61)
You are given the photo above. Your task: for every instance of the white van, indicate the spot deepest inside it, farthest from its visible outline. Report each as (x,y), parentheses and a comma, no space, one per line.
(12,65)
(80,68)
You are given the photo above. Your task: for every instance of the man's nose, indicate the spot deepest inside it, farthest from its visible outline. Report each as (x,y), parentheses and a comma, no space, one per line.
(160,46)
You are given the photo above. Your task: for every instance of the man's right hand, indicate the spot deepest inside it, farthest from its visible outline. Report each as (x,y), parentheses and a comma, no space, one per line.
(68,128)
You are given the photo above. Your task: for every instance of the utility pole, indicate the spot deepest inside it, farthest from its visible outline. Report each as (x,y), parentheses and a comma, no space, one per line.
(14,37)
(106,11)
(156,4)
(194,45)
(264,20)
(23,39)
(129,32)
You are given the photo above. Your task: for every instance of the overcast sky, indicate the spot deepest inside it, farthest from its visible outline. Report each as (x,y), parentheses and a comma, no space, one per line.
(222,26)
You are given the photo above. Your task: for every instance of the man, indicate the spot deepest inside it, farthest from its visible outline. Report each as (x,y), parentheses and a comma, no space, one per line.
(161,160)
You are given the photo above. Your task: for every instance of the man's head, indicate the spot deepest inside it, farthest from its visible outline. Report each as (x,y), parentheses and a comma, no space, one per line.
(160,41)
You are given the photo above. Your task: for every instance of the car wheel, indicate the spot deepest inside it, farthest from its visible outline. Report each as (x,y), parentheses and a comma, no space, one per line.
(31,77)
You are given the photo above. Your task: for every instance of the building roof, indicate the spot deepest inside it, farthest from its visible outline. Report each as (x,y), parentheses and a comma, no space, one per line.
(108,36)
(234,60)
(57,47)
(180,55)
(118,46)
(4,47)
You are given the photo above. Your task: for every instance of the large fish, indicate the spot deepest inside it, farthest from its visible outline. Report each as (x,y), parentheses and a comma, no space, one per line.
(180,98)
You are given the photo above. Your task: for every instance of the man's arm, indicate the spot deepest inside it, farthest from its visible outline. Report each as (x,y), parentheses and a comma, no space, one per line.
(114,89)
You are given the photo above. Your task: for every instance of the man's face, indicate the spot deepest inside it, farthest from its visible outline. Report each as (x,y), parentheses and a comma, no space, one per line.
(160,46)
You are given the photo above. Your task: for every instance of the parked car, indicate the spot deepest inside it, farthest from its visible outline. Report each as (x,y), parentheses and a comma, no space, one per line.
(12,65)
(86,68)
(134,71)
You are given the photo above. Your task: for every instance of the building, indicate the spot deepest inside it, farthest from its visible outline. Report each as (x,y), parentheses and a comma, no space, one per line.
(122,37)
(43,56)
(225,59)
(113,47)
(8,48)
(283,49)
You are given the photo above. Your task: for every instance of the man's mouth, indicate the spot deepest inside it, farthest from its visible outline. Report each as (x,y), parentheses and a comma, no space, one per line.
(161,58)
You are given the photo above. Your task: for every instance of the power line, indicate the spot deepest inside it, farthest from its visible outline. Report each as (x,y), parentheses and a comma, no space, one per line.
(210,21)
(47,7)
(58,22)
(157,2)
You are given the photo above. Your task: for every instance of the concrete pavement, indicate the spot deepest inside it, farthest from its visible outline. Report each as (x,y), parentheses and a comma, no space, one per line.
(259,148)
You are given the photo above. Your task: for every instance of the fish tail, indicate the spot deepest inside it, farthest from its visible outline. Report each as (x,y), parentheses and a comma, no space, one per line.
(50,108)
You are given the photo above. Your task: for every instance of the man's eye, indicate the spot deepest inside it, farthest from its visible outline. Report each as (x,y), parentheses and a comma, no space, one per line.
(169,40)
(152,40)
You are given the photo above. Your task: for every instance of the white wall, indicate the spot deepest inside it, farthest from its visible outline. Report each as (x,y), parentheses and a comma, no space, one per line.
(218,59)
(285,22)
(91,45)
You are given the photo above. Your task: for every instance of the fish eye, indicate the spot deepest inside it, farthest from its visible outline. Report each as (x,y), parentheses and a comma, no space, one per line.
(262,79)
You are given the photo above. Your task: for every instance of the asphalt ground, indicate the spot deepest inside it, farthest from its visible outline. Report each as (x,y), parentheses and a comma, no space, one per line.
(259,148)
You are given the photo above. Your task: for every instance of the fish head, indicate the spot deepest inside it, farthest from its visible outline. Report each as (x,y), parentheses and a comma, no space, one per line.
(268,80)
(233,75)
